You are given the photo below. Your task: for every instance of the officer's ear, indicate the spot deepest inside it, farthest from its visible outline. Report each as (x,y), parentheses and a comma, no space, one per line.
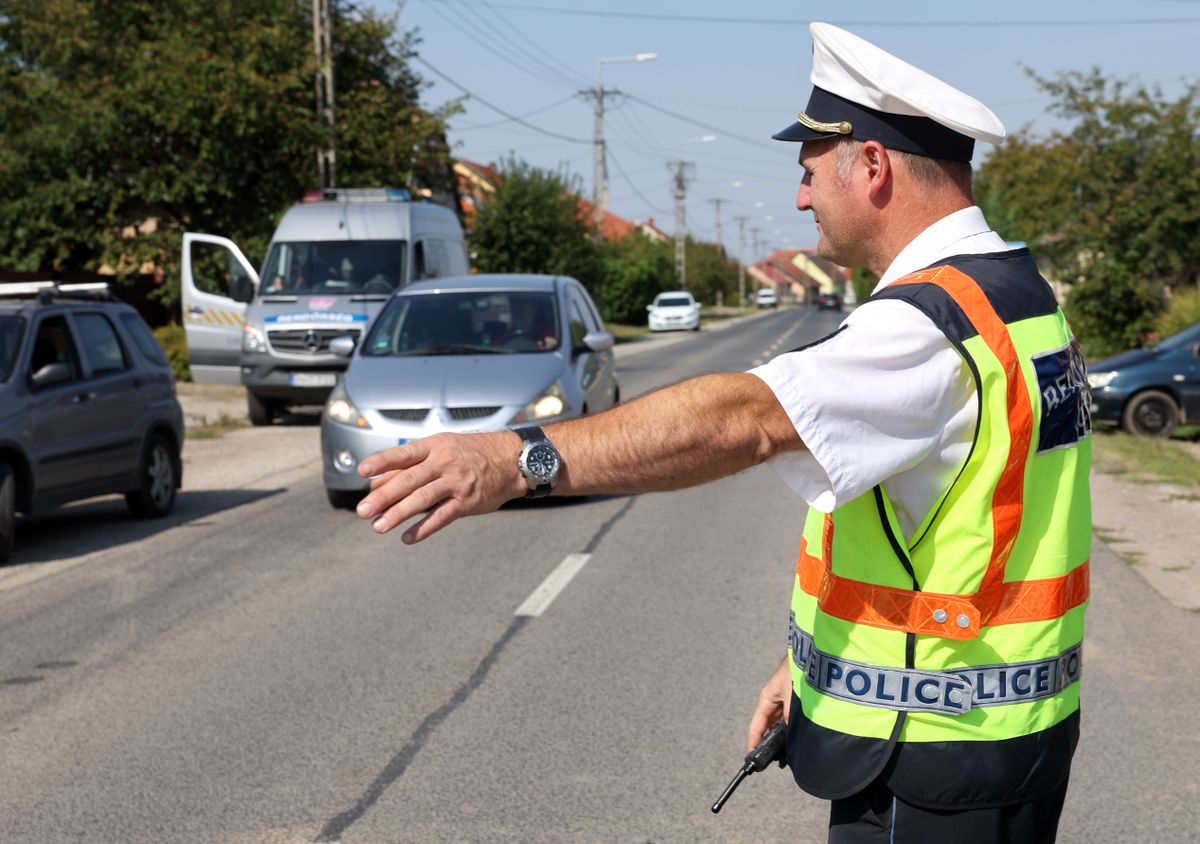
(878,165)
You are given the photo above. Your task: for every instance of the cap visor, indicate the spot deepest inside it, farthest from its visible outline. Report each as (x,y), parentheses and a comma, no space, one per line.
(799,132)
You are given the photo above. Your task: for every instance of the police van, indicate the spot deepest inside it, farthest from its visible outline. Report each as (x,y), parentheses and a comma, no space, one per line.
(332,263)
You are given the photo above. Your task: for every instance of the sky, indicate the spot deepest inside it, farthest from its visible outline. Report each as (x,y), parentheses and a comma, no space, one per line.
(728,75)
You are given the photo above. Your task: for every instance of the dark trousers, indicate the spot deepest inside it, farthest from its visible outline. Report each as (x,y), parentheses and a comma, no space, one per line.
(877,816)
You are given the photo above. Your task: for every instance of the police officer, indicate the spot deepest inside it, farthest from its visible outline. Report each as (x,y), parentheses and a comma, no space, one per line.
(941,440)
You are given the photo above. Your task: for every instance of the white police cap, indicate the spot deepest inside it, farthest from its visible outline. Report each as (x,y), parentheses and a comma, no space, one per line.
(863,92)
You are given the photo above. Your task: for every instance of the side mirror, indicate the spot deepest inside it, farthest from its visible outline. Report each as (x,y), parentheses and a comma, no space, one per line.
(242,290)
(50,374)
(649,307)
(342,346)
(597,341)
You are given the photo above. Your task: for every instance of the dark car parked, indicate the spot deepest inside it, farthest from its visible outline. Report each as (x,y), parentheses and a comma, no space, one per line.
(1152,391)
(829,301)
(87,404)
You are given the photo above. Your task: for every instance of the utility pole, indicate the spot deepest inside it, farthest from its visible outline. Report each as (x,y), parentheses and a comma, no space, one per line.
(717,203)
(323,45)
(600,179)
(741,221)
(756,247)
(681,175)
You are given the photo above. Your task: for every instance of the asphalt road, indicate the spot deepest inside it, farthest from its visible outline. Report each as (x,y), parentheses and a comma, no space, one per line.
(261,668)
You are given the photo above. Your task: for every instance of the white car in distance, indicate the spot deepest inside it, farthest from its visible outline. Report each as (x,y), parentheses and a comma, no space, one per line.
(676,309)
(766,298)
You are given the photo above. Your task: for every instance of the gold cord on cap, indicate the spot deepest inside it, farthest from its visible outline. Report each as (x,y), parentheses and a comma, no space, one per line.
(842,127)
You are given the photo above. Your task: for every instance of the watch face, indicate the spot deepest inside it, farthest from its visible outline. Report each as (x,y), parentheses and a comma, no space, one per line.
(542,462)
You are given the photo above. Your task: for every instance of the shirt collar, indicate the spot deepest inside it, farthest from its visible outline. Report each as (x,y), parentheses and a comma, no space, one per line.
(937,241)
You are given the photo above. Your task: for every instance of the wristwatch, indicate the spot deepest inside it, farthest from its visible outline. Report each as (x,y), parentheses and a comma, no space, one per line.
(539,462)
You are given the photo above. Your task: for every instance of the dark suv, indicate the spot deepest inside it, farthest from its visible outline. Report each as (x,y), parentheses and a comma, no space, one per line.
(87,404)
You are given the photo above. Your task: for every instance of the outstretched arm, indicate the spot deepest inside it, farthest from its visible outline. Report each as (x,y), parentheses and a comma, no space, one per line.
(692,432)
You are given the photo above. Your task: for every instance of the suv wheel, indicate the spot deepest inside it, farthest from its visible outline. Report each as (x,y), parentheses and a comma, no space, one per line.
(343,499)
(1151,414)
(159,475)
(261,411)
(8,515)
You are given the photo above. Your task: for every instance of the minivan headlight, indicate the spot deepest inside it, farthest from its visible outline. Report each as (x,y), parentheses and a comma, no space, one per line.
(339,408)
(551,402)
(253,339)
(1096,380)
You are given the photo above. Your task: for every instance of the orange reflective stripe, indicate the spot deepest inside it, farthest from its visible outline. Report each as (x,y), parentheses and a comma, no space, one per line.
(1010,490)
(919,612)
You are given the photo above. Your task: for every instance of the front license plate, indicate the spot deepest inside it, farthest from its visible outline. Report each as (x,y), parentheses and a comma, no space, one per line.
(312,379)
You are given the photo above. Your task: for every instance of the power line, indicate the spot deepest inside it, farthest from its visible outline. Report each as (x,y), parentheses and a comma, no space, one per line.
(504,56)
(632,186)
(499,110)
(538,50)
(724,21)
(526,114)
(709,127)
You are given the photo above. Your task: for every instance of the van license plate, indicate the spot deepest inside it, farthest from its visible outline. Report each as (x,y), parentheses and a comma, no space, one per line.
(312,379)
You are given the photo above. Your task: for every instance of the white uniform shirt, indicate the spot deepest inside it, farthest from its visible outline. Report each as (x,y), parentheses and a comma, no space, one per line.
(887,399)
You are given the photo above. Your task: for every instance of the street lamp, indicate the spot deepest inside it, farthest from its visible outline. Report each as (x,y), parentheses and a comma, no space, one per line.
(599,186)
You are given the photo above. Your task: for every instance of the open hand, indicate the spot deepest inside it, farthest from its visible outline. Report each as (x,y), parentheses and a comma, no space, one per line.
(444,476)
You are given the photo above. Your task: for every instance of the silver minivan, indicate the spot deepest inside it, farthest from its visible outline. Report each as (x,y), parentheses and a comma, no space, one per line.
(475,353)
(332,263)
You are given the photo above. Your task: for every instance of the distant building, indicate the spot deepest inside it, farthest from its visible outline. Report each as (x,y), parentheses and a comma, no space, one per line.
(799,275)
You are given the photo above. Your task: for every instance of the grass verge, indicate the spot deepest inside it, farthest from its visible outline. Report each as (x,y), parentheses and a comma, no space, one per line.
(215,430)
(1146,460)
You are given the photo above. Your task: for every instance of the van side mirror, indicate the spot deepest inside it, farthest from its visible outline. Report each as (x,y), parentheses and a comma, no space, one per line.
(342,346)
(241,289)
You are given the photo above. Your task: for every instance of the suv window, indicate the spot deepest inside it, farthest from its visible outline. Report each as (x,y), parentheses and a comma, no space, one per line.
(12,329)
(100,344)
(53,344)
(143,338)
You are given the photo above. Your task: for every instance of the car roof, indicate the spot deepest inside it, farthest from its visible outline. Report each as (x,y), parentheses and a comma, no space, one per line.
(484,282)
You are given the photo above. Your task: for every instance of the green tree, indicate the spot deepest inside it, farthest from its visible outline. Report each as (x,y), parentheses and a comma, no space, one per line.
(710,273)
(535,224)
(1109,203)
(128,123)
(863,281)
(636,269)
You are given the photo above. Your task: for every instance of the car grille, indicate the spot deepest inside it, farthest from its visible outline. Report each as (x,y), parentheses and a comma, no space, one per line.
(406,414)
(460,413)
(310,341)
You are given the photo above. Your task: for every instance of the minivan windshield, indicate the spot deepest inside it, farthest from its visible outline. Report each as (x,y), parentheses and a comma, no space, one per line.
(12,328)
(334,267)
(492,322)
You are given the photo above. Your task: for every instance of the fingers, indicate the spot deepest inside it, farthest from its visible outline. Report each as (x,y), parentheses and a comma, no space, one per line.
(437,518)
(402,496)
(766,715)
(774,701)
(391,459)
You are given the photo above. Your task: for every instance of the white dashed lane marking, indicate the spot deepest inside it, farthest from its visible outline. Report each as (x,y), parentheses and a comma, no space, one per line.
(554,583)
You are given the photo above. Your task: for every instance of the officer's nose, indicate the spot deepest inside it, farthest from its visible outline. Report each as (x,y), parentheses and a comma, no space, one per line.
(804,197)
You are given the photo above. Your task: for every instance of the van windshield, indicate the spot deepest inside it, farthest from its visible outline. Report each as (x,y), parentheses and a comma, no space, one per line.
(335,267)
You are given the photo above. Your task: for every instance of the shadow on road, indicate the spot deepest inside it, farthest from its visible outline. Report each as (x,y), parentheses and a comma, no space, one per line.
(101,523)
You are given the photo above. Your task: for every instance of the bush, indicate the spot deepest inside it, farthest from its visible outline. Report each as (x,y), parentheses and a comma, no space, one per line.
(1183,310)
(174,345)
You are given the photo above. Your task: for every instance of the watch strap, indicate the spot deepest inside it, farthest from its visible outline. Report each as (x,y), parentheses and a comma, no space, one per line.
(533,434)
